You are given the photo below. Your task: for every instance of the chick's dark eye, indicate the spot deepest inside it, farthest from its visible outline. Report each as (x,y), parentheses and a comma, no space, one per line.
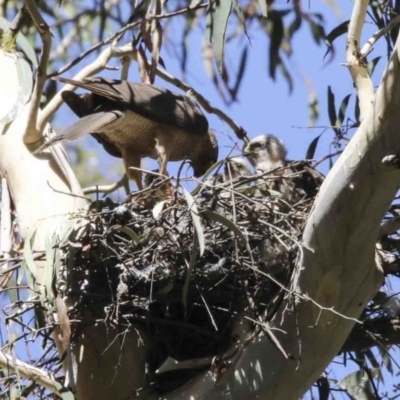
(257,146)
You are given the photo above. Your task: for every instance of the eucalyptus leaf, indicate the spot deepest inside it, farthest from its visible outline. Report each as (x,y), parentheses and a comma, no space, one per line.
(312,147)
(28,254)
(192,263)
(128,231)
(196,219)
(217,22)
(342,110)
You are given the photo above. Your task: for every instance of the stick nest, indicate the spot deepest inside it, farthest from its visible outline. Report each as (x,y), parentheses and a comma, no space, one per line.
(186,271)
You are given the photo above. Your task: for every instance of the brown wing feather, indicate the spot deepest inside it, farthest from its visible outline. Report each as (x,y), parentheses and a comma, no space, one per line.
(82,105)
(90,123)
(155,103)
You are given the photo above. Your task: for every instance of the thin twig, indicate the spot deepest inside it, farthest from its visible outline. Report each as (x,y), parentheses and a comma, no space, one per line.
(120,33)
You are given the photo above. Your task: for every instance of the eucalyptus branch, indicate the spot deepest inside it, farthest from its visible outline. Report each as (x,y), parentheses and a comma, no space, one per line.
(355,61)
(41,377)
(369,46)
(34,130)
(118,35)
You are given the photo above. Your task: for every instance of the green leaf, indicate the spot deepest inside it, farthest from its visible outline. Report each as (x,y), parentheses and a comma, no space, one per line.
(66,230)
(323,388)
(196,219)
(357,109)
(317,31)
(312,147)
(48,273)
(334,34)
(313,107)
(65,393)
(263,6)
(213,216)
(342,111)
(371,357)
(217,22)
(295,25)
(242,66)
(128,231)
(192,263)
(331,107)
(276,36)
(28,254)
(372,65)
(353,384)
(286,75)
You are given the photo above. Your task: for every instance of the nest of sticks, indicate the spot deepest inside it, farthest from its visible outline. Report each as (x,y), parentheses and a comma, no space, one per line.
(183,269)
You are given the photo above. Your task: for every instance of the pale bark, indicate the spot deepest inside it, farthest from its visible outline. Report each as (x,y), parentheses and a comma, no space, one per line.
(356,61)
(110,364)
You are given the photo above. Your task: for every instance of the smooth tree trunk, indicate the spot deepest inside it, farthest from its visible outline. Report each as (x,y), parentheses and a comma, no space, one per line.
(110,365)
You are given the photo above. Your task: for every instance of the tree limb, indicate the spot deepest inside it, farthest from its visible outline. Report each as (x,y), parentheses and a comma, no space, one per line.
(369,46)
(8,363)
(355,61)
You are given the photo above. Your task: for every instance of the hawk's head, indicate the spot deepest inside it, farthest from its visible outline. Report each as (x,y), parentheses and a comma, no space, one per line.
(206,154)
(266,152)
